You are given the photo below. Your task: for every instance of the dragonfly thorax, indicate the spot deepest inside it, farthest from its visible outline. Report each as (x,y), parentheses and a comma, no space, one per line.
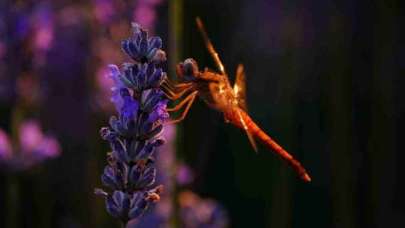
(219,94)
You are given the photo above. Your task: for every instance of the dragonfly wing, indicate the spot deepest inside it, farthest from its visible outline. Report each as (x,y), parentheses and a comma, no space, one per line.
(249,135)
(239,88)
(210,47)
(252,141)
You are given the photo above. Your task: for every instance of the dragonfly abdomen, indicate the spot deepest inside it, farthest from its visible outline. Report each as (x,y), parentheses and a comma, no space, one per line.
(258,133)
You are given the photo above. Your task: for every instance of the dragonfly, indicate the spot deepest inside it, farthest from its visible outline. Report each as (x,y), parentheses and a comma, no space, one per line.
(215,89)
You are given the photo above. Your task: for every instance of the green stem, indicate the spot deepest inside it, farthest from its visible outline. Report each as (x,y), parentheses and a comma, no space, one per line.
(12,201)
(176,52)
(16,118)
(13,185)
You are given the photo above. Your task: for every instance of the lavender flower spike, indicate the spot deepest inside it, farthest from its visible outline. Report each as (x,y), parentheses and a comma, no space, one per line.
(136,131)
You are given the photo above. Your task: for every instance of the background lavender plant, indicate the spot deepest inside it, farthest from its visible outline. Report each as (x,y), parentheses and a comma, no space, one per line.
(136,132)
(197,212)
(30,149)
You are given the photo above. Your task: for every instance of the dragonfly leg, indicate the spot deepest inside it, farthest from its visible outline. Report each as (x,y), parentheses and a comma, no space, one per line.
(174,95)
(184,85)
(181,104)
(210,76)
(173,85)
(167,84)
(189,101)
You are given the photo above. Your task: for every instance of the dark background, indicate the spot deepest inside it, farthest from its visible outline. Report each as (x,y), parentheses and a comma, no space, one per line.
(324,78)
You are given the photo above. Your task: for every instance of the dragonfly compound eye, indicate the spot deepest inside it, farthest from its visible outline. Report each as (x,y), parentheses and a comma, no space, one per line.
(190,69)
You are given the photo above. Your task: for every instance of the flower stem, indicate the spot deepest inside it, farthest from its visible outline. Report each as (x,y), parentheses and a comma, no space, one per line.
(13,201)
(175,50)
(16,118)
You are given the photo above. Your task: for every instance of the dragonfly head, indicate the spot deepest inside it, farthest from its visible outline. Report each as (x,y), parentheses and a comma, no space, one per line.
(188,71)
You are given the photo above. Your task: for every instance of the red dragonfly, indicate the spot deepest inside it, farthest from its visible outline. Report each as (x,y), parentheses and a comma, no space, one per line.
(215,89)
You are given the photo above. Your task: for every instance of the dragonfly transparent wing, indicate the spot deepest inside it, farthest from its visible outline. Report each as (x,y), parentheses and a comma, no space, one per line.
(210,47)
(249,135)
(239,89)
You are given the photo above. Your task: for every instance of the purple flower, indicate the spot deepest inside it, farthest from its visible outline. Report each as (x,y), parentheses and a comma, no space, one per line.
(143,49)
(118,205)
(3,49)
(160,214)
(5,146)
(104,10)
(137,77)
(145,12)
(115,75)
(30,136)
(141,77)
(130,106)
(196,212)
(145,15)
(49,147)
(184,175)
(33,147)
(135,132)
(159,112)
(153,99)
(34,143)
(140,201)
(43,27)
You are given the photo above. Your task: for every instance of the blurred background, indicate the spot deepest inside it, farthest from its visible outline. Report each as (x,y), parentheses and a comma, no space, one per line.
(324,78)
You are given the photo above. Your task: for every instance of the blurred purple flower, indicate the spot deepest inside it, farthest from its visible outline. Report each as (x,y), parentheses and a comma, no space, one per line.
(43,38)
(196,212)
(3,49)
(42,27)
(145,13)
(104,78)
(49,147)
(184,175)
(28,89)
(22,25)
(104,11)
(5,146)
(104,85)
(34,144)
(30,136)
(117,86)
(33,147)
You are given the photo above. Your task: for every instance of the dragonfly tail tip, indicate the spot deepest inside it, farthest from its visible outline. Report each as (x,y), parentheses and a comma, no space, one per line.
(306,177)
